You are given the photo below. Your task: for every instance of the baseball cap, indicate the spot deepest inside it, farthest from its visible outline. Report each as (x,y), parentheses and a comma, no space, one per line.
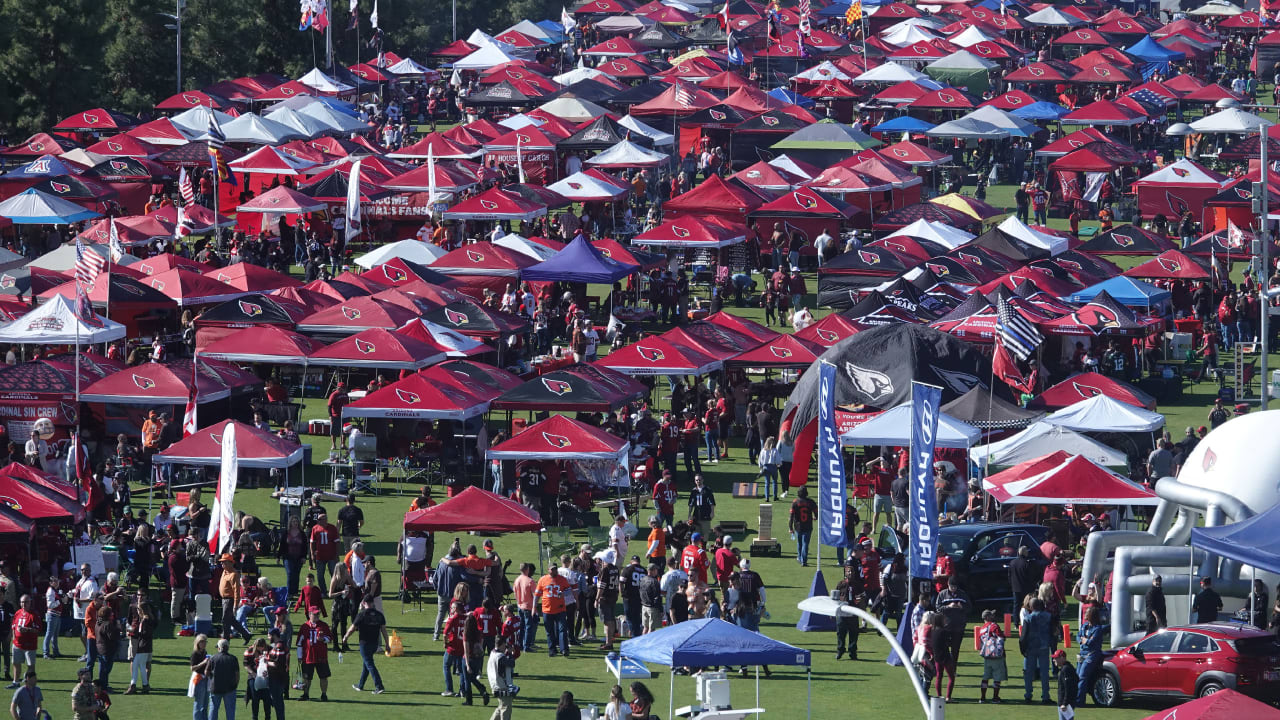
(1087,517)
(1059,654)
(313,609)
(696,537)
(488,543)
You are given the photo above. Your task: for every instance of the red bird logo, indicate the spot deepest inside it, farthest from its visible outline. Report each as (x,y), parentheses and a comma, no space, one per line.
(556,441)
(475,257)
(351,313)
(36,146)
(91,118)
(158,284)
(1086,391)
(983,50)
(1244,194)
(717,115)
(114,146)
(250,309)
(119,165)
(394,274)
(1176,204)
(679,231)
(1095,318)
(650,354)
(1036,71)
(970,258)
(827,336)
(408,397)
(1210,459)
(1122,240)
(286,91)
(900,152)
(947,98)
(1013,99)
(808,202)
(1101,71)
(143,383)
(1169,264)
(1069,264)
(1180,172)
(488,205)
(455,317)
(620,67)
(147,269)
(869,258)
(559,387)
(938,270)
(769,120)
(60,188)
(8,281)
(780,352)
(365,346)
(920,49)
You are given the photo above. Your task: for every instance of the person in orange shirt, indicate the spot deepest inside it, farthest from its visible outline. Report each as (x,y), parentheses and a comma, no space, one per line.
(550,595)
(656,549)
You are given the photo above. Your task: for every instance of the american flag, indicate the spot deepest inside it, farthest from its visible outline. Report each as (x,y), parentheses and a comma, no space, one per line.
(1151,97)
(185,188)
(216,139)
(804,9)
(88,262)
(1016,332)
(684,97)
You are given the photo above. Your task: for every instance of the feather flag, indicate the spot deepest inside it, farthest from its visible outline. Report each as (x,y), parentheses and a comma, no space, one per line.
(373,17)
(724,16)
(566,21)
(223,513)
(189,415)
(354,217)
(115,248)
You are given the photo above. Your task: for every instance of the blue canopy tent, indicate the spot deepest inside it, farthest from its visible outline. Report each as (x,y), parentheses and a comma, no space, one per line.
(552,28)
(1154,56)
(1253,542)
(703,643)
(835,9)
(32,207)
(1042,110)
(791,96)
(903,123)
(1127,291)
(581,262)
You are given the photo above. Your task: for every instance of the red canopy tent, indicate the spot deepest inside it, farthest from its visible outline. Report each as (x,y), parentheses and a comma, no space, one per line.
(475,510)
(560,437)
(188,288)
(1086,385)
(169,383)
(262,344)
(830,330)
(124,146)
(32,476)
(254,448)
(378,348)
(1060,479)
(483,258)
(714,196)
(496,204)
(742,325)
(657,356)
(97,120)
(784,351)
(1170,265)
(352,316)
(418,397)
(39,503)
(1226,704)
(168,261)
(252,278)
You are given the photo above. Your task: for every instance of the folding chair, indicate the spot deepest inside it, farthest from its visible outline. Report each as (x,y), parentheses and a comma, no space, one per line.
(415,585)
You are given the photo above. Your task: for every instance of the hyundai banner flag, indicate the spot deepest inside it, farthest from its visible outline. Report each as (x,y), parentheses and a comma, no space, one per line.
(923,505)
(831,481)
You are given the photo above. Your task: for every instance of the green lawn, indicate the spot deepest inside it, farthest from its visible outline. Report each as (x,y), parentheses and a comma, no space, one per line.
(867,688)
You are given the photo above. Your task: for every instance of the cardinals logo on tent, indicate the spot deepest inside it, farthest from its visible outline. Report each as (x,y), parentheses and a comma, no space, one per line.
(351,313)
(1122,240)
(8,282)
(191,99)
(158,284)
(559,387)
(620,67)
(130,289)
(717,115)
(650,354)
(606,252)
(984,50)
(1180,172)
(575,185)
(947,98)
(1124,25)
(808,202)
(39,166)
(1076,143)
(769,120)
(114,146)
(36,146)
(786,49)
(827,335)
(475,257)
(780,352)
(10,503)
(869,258)
(250,309)
(90,118)
(1209,460)
(1069,264)
(1035,71)
(1083,35)
(920,49)
(872,384)
(1101,71)
(286,91)
(455,317)
(896,9)
(556,441)
(1085,391)
(1243,194)
(408,397)
(939,270)
(679,231)
(365,346)
(69,411)
(1169,264)
(1095,318)
(394,274)
(1013,99)
(901,152)
(488,205)
(1044,271)
(1176,204)
(60,188)
(143,383)
(119,165)
(970,258)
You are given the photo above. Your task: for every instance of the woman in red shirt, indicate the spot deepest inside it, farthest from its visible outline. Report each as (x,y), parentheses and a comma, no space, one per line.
(711,419)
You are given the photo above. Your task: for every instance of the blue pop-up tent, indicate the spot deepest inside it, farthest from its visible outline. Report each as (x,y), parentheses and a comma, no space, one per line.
(1127,291)
(903,123)
(1252,542)
(708,642)
(1154,56)
(579,261)
(1042,110)
(791,96)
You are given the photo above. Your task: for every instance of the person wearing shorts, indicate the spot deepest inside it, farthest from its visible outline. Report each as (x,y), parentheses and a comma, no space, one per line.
(313,641)
(338,399)
(991,647)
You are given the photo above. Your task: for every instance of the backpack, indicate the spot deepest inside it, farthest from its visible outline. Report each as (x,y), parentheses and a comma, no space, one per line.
(992,644)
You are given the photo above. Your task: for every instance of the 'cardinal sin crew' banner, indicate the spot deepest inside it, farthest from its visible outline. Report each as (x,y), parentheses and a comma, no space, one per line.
(831,482)
(923,504)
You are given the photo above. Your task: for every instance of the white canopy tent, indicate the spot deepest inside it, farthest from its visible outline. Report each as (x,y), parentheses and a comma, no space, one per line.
(411,249)
(1001,119)
(893,427)
(1041,439)
(195,122)
(306,124)
(579,73)
(824,71)
(339,121)
(1052,17)
(944,235)
(251,128)
(320,82)
(1055,244)
(407,66)
(56,323)
(629,154)
(890,73)
(968,129)
(656,136)
(583,187)
(962,60)
(524,246)
(486,57)
(969,37)
(907,32)
(455,343)
(1101,413)
(575,110)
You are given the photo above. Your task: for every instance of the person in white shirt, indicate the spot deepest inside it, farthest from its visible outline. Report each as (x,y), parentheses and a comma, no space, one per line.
(529,302)
(424,232)
(572,164)
(593,341)
(497,233)
(618,536)
(86,587)
(821,243)
(672,580)
(351,439)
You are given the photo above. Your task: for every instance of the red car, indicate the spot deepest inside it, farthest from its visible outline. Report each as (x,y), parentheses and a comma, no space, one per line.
(1191,662)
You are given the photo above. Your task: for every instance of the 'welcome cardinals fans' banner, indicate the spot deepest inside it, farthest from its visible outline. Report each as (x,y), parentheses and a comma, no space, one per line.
(831,481)
(923,503)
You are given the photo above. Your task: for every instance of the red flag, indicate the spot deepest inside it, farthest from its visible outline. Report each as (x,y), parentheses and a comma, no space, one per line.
(83,472)
(189,416)
(1007,370)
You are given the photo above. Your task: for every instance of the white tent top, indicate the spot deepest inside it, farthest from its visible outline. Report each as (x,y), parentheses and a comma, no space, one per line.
(962,60)
(968,37)
(250,128)
(524,246)
(532,29)
(1217,7)
(579,73)
(1101,413)
(944,235)
(907,32)
(1231,120)
(575,110)
(487,56)
(92,159)
(822,72)
(1042,439)
(659,138)
(480,38)
(785,162)
(890,73)
(412,249)
(624,23)
(968,129)
(581,186)
(627,153)
(336,120)
(1052,17)
(1001,119)
(1055,244)
(408,67)
(56,323)
(1184,172)
(36,207)
(305,124)
(520,121)
(893,427)
(320,82)
(457,344)
(63,257)
(195,122)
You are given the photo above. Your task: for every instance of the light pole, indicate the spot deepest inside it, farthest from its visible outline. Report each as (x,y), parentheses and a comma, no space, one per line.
(176,17)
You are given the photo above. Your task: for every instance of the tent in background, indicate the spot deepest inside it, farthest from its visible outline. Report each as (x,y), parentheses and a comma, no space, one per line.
(1040,440)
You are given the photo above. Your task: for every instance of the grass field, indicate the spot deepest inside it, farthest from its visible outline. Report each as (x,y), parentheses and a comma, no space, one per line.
(864,689)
